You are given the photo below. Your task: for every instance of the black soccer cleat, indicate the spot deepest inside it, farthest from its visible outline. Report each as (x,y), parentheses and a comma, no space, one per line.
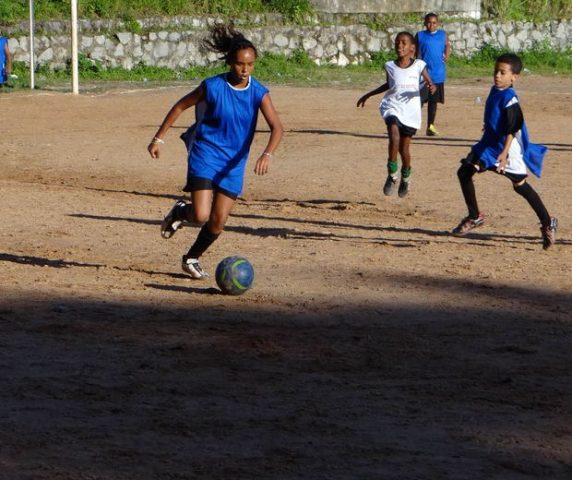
(173,220)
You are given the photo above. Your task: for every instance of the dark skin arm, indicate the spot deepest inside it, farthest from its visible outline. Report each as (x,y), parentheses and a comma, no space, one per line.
(276,132)
(189,100)
(382,88)
(432,88)
(8,59)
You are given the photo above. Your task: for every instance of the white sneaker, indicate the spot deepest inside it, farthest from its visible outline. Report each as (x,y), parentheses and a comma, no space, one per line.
(193,267)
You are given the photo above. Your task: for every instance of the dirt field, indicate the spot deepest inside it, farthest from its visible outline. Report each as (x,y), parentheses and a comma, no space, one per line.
(373,345)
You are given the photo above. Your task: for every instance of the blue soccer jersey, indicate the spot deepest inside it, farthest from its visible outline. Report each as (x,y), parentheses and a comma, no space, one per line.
(224,135)
(432,47)
(3,72)
(497,126)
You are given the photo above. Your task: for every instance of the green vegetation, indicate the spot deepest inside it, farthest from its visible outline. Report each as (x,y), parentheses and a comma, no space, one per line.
(17,10)
(530,10)
(12,11)
(539,60)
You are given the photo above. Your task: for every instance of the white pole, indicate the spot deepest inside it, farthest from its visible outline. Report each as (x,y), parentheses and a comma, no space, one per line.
(75,69)
(32,60)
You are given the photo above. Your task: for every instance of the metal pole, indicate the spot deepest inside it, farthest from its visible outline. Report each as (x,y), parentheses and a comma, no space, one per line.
(75,63)
(32,60)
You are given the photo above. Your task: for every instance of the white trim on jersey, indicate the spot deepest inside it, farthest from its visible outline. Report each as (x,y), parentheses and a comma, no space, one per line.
(515,161)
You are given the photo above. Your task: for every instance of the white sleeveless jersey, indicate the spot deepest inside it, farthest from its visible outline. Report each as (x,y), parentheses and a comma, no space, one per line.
(403,100)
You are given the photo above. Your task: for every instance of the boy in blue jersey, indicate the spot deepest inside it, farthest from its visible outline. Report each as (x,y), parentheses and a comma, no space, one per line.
(433,48)
(5,61)
(221,142)
(505,149)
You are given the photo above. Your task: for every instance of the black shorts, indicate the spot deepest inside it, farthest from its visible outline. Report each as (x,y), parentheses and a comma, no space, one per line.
(404,130)
(437,97)
(198,183)
(471,159)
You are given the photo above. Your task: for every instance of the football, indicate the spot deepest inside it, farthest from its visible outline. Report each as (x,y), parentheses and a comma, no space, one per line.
(234,275)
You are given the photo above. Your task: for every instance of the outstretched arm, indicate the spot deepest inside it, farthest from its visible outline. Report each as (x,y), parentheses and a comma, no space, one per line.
(276,132)
(189,100)
(377,91)
(432,88)
(8,59)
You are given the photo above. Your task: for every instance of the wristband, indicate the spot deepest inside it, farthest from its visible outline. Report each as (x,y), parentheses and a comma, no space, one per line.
(267,154)
(158,140)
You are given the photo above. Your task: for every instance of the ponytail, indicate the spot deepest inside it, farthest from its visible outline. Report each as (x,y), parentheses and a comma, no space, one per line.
(226,40)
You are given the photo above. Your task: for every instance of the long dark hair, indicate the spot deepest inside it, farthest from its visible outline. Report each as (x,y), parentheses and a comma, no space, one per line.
(226,40)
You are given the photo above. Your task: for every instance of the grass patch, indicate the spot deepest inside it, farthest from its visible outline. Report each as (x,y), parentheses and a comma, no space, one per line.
(540,60)
(527,10)
(14,11)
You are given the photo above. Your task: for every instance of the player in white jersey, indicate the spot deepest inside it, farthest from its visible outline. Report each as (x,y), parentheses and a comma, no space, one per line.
(401,108)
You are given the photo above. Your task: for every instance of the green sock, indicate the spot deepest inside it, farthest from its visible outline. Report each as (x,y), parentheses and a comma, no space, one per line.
(392,167)
(405,174)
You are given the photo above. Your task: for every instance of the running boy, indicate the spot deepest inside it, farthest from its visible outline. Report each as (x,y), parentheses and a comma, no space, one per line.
(433,48)
(219,152)
(401,108)
(505,149)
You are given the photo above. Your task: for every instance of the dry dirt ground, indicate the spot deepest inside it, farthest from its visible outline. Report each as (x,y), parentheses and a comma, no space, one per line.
(373,344)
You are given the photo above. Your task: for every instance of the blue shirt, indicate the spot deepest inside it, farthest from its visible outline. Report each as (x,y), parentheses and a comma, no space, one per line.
(3,72)
(432,48)
(495,131)
(223,136)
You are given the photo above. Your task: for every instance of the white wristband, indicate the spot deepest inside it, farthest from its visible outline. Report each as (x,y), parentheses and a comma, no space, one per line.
(158,140)
(267,154)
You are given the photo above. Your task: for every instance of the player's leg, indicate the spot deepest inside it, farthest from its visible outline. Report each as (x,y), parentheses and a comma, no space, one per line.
(404,143)
(222,206)
(218,215)
(548,223)
(197,211)
(431,115)
(474,218)
(392,152)
(432,100)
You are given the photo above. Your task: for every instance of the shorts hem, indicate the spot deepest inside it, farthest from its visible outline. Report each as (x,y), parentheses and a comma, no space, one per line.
(195,184)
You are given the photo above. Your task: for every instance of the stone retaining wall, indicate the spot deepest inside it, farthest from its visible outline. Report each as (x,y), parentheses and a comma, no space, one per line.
(180,46)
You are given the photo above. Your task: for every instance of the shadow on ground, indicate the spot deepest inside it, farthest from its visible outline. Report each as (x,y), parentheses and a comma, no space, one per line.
(116,391)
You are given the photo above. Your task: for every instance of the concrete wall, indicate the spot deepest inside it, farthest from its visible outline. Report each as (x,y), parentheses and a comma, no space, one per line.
(469,8)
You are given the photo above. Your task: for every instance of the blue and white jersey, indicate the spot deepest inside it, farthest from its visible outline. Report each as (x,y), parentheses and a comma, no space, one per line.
(225,132)
(499,117)
(432,46)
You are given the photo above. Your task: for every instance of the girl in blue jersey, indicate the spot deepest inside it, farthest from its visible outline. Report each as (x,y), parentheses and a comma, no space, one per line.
(223,134)
(505,149)
(433,48)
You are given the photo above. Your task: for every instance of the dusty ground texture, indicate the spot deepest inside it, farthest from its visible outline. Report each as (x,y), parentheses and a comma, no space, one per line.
(373,345)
